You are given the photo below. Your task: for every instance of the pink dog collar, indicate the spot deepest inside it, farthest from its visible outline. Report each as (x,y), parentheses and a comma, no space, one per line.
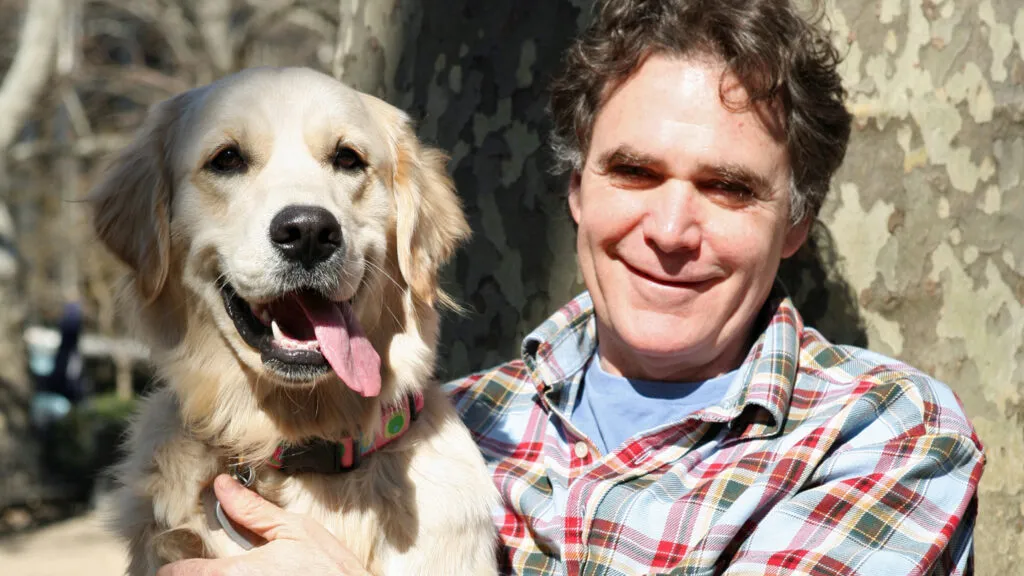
(328,457)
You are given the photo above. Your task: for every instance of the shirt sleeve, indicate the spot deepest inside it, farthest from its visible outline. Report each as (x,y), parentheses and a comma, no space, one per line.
(455,390)
(903,506)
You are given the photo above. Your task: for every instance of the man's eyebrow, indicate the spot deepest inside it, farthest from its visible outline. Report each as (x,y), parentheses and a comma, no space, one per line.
(738,173)
(730,171)
(625,155)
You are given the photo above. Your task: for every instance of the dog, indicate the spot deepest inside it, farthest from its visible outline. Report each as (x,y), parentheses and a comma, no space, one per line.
(284,234)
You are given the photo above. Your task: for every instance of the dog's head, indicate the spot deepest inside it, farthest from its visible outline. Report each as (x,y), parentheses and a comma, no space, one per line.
(301,219)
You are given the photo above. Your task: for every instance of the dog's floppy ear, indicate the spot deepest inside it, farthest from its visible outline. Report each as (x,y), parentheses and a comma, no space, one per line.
(430,221)
(132,203)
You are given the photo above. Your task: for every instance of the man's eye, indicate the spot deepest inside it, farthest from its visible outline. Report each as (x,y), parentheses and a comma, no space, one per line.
(631,171)
(733,188)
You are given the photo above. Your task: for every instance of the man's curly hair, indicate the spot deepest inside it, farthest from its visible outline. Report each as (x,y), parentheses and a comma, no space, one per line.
(777,55)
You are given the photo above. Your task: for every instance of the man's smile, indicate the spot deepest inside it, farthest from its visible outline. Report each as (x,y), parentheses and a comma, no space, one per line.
(687,281)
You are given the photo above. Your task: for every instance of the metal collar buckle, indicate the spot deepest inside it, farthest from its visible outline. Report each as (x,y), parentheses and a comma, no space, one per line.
(243,473)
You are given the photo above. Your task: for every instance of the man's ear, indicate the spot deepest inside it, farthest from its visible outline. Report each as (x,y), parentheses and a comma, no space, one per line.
(796,236)
(132,203)
(575,181)
(430,222)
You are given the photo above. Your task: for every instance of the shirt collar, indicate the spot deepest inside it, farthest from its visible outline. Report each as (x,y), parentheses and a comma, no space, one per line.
(756,403)
(560,347)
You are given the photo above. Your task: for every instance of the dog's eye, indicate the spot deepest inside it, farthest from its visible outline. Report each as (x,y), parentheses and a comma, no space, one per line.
(227,161)
(346,158)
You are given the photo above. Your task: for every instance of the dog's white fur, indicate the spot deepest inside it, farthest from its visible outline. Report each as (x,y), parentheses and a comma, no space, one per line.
(420,506)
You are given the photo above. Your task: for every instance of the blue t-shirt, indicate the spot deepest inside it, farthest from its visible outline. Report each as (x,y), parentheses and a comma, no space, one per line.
(612,409)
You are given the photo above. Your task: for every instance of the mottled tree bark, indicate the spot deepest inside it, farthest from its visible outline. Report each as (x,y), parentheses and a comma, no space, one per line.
(926,217)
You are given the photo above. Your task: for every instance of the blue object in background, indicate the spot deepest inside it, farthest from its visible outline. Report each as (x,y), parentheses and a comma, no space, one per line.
(65,377)
(48,408)
(59,378)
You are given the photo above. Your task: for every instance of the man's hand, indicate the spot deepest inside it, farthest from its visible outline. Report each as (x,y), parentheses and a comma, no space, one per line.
(295,544)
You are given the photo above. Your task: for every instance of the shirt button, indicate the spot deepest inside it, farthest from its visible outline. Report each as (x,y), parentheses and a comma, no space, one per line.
(581,450)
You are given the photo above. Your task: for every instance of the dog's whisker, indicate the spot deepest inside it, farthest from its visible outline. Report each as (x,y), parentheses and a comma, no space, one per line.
(316,402)
(295,403)
(392,313)
(384,273)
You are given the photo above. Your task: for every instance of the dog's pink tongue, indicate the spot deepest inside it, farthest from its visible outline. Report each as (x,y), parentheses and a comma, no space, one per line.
(344,344)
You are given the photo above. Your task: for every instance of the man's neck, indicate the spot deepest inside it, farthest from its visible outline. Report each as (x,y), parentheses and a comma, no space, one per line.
(619,359)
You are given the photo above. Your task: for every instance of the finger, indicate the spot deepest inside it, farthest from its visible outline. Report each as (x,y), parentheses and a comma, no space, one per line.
(191,567)
(253,512)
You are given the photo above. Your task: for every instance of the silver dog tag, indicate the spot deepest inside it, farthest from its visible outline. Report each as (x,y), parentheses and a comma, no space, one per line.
(229,528)
(245,476)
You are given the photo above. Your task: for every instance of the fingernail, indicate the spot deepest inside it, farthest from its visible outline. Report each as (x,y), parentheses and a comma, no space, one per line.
(225,483)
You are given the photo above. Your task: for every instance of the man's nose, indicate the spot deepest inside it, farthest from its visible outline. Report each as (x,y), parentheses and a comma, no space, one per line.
(673,220)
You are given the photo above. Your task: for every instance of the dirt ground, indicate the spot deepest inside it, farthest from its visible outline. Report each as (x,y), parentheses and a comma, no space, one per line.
(75,547)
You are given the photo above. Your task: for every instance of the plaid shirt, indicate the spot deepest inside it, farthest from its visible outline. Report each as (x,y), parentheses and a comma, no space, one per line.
(821,459)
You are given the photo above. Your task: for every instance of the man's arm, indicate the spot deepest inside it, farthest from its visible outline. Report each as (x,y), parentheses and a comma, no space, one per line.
(905,506)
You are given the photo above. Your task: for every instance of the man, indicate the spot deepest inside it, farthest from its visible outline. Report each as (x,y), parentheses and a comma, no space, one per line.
(679,417)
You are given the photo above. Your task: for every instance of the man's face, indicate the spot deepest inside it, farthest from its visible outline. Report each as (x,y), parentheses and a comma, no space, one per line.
(683,215)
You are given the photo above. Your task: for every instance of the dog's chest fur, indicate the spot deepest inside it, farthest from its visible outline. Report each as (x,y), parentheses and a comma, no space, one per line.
(419,506)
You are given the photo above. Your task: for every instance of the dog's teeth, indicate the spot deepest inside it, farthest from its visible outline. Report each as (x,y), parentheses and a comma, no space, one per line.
(278,335)
(265,316)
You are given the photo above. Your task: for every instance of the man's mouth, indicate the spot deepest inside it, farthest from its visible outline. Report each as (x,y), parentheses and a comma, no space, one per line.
(302,335)
(690,282)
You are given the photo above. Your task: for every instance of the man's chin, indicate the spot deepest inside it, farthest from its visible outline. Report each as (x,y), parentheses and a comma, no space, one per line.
(657,346)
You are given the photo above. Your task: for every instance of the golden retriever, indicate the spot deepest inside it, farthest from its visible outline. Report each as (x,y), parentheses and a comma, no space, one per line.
(284,234)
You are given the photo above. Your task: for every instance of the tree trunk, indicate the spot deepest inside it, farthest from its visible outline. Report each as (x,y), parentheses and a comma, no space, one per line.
(32,66)
(20,91)
(474,75)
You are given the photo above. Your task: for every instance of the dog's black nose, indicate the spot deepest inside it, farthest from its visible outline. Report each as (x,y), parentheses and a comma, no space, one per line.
(307,235)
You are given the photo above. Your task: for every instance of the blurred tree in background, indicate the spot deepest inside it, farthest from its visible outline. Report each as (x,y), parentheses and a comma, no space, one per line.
(78,77)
